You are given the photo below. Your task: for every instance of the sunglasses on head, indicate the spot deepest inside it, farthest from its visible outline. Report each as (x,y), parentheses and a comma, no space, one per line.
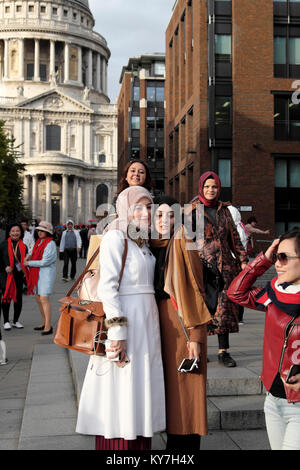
(283,257)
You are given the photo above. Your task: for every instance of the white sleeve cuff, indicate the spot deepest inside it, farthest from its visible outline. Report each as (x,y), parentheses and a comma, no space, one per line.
(117,333)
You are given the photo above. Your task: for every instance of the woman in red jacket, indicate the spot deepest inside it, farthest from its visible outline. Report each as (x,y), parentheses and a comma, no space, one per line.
(280,299)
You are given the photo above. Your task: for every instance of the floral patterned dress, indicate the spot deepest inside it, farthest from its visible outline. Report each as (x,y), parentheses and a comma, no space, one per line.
(223,247)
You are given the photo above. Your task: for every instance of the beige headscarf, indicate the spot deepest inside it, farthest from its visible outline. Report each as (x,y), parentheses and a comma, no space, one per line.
(125,204)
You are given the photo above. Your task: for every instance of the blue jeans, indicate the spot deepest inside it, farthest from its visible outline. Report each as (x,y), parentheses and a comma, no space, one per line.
(283,423)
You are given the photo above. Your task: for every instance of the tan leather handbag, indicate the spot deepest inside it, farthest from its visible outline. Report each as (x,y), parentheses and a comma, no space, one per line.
(81,323)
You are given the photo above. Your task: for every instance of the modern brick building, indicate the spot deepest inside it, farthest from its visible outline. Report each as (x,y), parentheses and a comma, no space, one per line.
(232,104)
(141,115)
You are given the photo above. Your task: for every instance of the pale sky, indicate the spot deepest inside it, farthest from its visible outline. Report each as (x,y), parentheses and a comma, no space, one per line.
(130,27)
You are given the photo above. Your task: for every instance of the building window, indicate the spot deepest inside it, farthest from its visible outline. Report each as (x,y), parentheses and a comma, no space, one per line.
(136,93)
(135,153)
(223,47)
(43,9)
(155,94)
(287,193)
(286,118)
(286,51)
(31,8)
(7,9)
(287,173)
(224,172)
(65,13)
(135,122)
(53,138)
(54,11)
(159,68)
(18,8)
(102,158)
(30,72)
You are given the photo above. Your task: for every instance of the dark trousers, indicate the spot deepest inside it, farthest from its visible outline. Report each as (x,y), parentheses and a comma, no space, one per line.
(70,255)
(18,277)
(183,442)
(223,341)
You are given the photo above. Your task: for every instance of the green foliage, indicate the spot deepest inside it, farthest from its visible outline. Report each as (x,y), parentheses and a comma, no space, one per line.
(11,182)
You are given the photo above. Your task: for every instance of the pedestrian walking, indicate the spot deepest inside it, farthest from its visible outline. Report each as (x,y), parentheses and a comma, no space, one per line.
(42,272)
(124,406)
(186,413)
(84,241)
(252,229)
(70,246)
(221,242)
(12,271)
(280,300)
(237,219)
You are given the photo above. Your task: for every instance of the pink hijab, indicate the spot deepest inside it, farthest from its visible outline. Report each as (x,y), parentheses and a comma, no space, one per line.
(126,201)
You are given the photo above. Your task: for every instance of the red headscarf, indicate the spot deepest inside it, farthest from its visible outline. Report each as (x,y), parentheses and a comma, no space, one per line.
(10,287)
(203,178)
(37,254)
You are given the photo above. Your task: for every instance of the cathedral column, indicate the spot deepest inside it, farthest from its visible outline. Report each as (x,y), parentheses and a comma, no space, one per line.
(34,195)
(6,43)
(65,191)
(52,60)
(26,190)
(21,59)
(37,60)
(75,199)
(67,62)
(98,72)
(90,69)
(80,65)
(48,198)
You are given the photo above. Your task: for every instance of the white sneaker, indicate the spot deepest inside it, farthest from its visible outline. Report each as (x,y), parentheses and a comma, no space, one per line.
(7,326)
(17,325)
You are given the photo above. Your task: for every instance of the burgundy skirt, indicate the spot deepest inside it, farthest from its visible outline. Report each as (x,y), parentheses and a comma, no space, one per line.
(141,443)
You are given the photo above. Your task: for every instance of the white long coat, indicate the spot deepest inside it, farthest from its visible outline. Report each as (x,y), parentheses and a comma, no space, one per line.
(129,402)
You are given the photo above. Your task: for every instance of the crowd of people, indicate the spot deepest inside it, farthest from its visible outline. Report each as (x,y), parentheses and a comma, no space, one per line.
(177,289)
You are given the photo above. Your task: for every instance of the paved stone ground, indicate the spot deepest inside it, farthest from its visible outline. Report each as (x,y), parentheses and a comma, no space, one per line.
(38,400)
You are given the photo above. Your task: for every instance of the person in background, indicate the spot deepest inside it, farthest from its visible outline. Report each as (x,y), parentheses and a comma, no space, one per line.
(251,227)
(70,246)
(223,250)
(280,300)
(84,240)
(237,219)
(27,238)
(42,272)
(12,270)
(92,231)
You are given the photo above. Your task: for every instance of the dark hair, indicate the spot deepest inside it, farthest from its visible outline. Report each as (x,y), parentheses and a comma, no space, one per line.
(15,224)
(124,184)
(251,219)
(292,234)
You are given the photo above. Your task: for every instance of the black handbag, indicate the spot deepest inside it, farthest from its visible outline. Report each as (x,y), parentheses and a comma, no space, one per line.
(213,285)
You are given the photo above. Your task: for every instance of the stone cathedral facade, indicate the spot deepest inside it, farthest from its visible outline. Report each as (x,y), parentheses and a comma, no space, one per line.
(53,99)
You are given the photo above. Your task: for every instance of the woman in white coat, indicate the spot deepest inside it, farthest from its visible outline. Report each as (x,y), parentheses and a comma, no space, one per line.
(124,406)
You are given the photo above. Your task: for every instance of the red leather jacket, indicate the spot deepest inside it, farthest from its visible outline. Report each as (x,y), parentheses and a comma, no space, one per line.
(282,332)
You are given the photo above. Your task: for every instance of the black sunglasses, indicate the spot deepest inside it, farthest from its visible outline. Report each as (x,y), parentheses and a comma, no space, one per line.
(283,257)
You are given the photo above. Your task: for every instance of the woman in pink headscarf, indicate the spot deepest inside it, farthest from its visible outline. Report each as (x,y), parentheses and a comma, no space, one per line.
(223,249)
(123,403)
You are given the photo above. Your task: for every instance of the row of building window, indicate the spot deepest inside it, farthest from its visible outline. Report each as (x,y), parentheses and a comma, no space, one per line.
(43,10)
(154,94)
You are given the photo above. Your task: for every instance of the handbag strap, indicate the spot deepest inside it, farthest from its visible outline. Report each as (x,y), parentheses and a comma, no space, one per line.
(78,281)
